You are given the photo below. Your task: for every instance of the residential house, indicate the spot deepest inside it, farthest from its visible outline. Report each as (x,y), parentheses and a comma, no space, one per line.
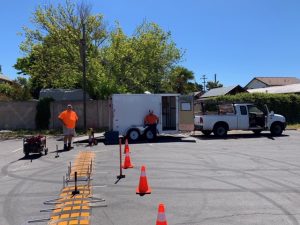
(3,78)
(263,82)
(286,89)
(231,90)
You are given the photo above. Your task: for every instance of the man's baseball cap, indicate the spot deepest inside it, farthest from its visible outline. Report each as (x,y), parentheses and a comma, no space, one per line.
(69,106)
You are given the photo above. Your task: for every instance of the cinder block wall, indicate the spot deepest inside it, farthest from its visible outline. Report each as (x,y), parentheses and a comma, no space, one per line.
(17,115)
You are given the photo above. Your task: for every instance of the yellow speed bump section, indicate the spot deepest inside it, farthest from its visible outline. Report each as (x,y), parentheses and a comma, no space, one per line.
(83,164)
(75,209)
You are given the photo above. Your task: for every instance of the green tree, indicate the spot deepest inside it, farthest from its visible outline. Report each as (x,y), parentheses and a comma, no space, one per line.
(181,80)
(116,63)
(142,62)
(17,90)
(212,85)
(52,50)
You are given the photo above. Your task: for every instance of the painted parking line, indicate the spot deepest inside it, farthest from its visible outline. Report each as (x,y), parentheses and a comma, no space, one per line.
(16,150)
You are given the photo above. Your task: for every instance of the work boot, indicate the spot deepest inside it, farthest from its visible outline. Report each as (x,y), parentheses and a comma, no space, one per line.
(65,147)
(69,146)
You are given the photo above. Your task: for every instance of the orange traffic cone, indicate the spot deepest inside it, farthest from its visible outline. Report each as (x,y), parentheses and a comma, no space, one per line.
(161,216)
(143,187)
(126,149)
(127,162)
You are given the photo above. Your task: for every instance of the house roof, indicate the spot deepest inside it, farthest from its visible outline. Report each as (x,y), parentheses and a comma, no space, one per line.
(292,88)
(276,81)
(5,78)
(222,91)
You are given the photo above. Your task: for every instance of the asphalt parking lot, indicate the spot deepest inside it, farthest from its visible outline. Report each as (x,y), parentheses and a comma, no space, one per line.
(243,179)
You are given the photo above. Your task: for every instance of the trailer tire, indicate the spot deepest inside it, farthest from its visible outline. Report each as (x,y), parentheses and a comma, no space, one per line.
(149,135)
(133,134)
(220,130)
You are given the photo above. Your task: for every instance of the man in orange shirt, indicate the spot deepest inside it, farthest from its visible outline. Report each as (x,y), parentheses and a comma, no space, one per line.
(69,119)
(151,120)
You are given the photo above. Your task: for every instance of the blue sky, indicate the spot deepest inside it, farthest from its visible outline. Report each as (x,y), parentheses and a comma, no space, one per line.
(235,39)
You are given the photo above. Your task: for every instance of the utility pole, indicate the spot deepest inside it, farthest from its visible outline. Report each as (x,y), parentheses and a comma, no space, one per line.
(83,49)
(215,78)
(204,82)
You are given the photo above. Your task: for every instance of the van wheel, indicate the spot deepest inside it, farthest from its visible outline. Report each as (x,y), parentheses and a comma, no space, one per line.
(149,135)
(206,132)
(276,129)
(220,130)
(133,134)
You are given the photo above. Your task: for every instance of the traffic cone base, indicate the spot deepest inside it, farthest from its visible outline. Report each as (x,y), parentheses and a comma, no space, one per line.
(126,167)
(138,191)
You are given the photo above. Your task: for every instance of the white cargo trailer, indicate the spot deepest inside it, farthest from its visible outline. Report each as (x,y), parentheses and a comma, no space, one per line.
(129,111)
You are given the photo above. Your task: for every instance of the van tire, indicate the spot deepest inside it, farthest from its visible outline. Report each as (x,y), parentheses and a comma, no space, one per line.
(220,130)
(133,134)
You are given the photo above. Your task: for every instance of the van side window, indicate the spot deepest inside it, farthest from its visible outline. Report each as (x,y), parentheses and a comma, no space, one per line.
(243,110)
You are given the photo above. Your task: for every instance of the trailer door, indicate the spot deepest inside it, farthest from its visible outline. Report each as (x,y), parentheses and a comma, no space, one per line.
(169,113)
(186,113)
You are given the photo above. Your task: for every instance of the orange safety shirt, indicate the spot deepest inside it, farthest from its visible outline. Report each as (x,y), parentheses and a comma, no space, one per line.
(151,119)
(69,118)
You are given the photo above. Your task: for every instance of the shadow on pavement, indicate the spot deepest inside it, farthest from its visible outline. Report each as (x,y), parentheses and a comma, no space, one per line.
(239,136)
(31,157)
(159,139)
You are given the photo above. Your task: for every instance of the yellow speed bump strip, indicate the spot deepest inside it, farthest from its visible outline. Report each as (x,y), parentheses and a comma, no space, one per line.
(75,209)
(82,164)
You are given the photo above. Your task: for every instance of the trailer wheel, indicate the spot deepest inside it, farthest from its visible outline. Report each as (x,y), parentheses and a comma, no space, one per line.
(133,134)
(220,130)
(149,135)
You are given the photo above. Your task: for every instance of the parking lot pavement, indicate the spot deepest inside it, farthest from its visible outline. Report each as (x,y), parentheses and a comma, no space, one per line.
(243,179)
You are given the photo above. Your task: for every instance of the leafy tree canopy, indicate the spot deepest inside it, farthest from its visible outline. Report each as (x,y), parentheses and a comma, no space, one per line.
(213,84)
(116,63)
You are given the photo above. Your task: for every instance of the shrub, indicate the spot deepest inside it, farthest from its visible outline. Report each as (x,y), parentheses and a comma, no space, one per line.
(284,104)
(43,113)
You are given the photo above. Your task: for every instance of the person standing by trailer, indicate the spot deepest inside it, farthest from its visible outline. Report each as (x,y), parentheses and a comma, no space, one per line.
(151,120)
(69,119)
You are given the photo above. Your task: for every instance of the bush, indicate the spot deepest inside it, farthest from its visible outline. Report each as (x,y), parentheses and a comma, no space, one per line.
(43,113)
(287,105)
